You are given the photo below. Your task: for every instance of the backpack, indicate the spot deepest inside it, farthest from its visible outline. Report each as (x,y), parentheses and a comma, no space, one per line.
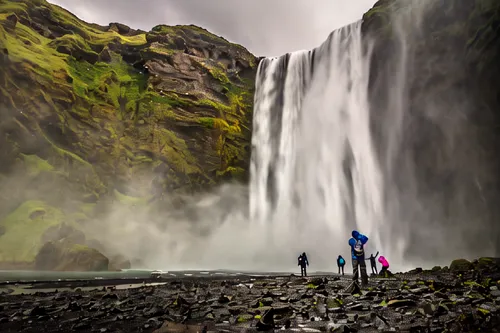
(341,261)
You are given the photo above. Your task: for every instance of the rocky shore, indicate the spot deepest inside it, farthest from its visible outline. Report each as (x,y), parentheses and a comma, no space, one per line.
(462,298)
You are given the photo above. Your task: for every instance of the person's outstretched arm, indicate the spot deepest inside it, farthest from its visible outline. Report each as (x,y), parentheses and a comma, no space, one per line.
(363,239)
(376,255)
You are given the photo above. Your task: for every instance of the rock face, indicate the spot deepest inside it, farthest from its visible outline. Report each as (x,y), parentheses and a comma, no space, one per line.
(63,255)
(94,114)
(435,78)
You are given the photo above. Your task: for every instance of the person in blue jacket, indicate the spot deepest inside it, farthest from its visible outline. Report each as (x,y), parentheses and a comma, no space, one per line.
(341,264)
(357,243)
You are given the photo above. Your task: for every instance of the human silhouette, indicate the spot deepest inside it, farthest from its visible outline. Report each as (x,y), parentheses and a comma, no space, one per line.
(341,264)
(303,262)
(373,263)
(385,266)
(357,243)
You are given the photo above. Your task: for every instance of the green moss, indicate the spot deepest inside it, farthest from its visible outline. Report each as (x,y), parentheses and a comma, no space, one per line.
(334,303)
(218,73)
(244,318)
(483,311)
(129,200)
(232,171)
(110,122)
(207,122)
(24,228)
(80,248)
(32,50)
(472,284)
(35,164)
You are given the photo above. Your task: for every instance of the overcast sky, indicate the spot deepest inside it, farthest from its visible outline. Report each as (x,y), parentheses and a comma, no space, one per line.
(265,27)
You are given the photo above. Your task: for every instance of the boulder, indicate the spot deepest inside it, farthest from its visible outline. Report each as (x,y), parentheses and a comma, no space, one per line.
(487,263)
(460,265)
(119,262)
(63,231)
(63,255)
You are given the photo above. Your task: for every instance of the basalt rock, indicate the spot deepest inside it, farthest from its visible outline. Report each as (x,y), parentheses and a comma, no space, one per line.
(63,255)
(193,305)
(460,265)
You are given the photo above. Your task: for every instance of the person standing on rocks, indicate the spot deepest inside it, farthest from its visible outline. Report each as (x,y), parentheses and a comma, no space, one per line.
(341,264)
(303,262)
(385,266)
(373,263)
(357,243)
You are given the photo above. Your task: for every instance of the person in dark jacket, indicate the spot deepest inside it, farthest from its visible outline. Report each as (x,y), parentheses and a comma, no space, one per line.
(373,263)
(357,243)
(303,262)
(341,264)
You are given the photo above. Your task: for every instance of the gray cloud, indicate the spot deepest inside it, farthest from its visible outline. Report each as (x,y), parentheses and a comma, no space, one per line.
(265,27)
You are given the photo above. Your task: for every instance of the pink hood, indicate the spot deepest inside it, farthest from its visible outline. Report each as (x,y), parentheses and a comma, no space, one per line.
(383,261)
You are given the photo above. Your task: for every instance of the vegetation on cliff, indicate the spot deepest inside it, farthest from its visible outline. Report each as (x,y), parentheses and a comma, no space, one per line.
(91,113)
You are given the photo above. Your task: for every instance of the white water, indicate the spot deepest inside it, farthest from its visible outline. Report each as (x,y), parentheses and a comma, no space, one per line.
(310,130)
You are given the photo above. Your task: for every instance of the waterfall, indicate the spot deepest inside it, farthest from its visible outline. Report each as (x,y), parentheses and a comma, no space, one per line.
(314,169)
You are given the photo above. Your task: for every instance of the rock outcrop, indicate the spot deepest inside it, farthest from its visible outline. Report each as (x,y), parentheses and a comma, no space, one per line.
(434,88)
(63,255)
(95,114)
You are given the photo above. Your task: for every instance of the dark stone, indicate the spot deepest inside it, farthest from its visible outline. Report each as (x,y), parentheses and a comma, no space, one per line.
(11,21)
(266,323)
(64,255)
(105,55)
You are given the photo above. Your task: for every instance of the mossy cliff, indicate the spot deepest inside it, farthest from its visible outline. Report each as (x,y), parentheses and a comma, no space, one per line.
(91,113)
(436,74)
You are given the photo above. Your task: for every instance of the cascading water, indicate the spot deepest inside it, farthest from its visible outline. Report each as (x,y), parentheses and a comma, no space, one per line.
(314,170)
(426,195)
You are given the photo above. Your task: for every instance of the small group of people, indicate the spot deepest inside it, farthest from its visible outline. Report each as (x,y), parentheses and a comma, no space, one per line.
(357,243)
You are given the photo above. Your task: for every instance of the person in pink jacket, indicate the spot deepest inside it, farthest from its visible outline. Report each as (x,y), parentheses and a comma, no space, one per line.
(385,264)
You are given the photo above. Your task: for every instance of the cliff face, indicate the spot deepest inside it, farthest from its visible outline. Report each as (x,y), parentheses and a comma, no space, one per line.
(91,113)
(436,77)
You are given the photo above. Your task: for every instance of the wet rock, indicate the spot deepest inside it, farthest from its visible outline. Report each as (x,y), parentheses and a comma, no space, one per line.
(109,296)
(342,329)
(416,271)
(460,265)
(266,323)
(267,301)
(397,303)
(36,311)
(63,255)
